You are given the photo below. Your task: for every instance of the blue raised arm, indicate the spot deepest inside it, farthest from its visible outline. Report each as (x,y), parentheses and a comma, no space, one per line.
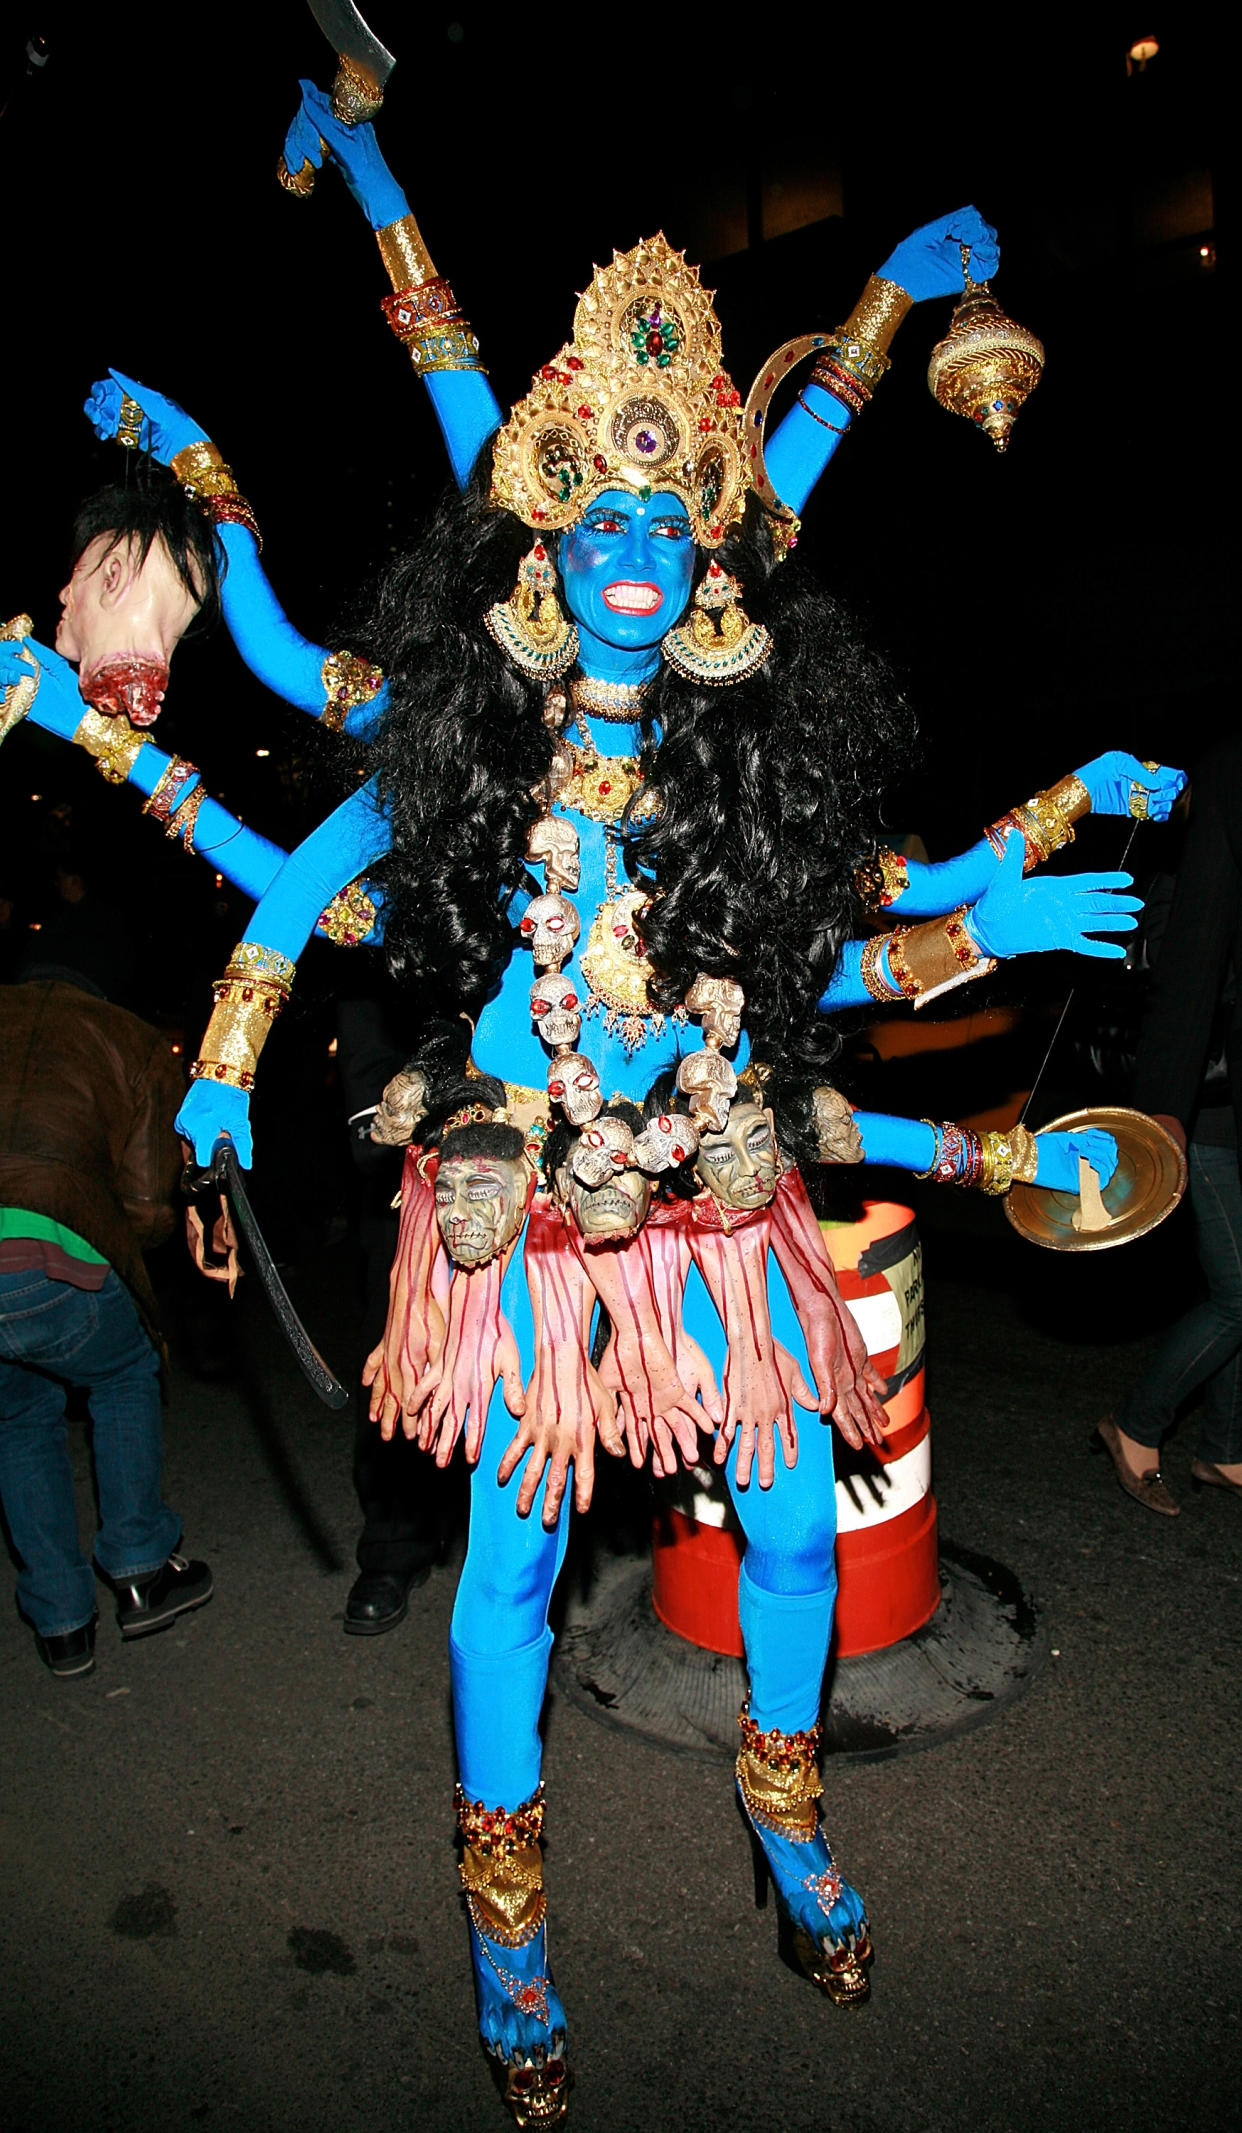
(926,264)
(348,841)
(438,338)
(276,652)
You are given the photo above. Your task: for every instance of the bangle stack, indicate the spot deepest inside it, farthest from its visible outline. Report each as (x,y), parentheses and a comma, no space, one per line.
(991,1162)
(207,478)
(248,997)
(168,793)
(1046,823)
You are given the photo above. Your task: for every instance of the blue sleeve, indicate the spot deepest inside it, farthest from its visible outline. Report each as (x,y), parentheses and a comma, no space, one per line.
(905,1142)
(800,449)
(845,987)
(934,889)
(334,854)
(245,858)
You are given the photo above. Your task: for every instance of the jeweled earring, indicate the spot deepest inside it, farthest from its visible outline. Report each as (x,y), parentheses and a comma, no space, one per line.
(529,626)
(717,644)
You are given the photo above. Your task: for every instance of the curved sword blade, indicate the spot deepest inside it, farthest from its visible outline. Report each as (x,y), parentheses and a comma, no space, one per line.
(351,39)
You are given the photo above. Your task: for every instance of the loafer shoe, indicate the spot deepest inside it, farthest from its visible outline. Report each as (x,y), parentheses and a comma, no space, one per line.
(378,1601)
(150,1603)
(1150,1489)
(1207,1476)
(73,1653)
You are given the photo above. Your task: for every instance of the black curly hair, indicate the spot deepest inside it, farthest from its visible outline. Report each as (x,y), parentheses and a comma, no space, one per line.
(770,790)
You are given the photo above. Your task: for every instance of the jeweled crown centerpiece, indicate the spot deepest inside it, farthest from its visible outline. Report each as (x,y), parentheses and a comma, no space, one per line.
(639,399)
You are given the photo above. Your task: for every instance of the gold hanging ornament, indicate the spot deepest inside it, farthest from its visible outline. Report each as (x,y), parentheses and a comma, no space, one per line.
(986,365)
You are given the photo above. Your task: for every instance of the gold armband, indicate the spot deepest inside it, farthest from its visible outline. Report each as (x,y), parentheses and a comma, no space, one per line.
(1046,823)
(113,743)
(249,997)
(880,879)
(877,315)
(15,701)
(207,478)
(1007,1159)
(348,679)
(349,918)
(407,262)
(929,960)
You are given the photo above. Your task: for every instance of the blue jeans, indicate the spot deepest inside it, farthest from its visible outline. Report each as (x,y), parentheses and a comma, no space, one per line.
(53,1336)
(1205,1347)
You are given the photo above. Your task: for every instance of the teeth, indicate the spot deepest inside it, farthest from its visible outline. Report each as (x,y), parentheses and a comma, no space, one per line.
(634,599)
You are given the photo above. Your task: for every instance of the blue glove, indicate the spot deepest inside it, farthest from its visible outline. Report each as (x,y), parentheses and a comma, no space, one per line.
(929,261)
(58,707)
(1057,1157)
(1111,779)
(210,1109)
(166,428)
(354,148)
(1018,917)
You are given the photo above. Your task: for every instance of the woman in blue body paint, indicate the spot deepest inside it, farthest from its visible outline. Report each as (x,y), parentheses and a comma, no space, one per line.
(766,783)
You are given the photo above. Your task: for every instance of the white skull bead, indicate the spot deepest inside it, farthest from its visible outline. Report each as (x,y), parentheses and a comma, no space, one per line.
(666,1141)
(553,844)
(602,1149)
(574,1084)
(709,1081)
(555,1008)
(549,927)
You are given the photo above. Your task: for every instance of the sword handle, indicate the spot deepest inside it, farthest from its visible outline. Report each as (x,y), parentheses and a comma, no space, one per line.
(300,183)
(354,100)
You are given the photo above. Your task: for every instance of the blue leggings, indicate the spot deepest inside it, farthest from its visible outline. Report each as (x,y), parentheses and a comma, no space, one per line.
(500,1641)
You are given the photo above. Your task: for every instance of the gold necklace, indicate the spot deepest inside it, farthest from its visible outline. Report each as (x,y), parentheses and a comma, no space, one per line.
(618,702)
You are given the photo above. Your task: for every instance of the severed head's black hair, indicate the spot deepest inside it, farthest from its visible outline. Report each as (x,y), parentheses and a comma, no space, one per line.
(770,788)
(482,1136)
(154,507)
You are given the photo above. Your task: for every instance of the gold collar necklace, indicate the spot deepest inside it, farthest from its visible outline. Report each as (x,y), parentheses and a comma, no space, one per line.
(619,702)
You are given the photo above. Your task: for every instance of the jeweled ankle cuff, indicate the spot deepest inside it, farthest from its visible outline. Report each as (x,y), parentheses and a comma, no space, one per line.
(502,1868)
(779,1779)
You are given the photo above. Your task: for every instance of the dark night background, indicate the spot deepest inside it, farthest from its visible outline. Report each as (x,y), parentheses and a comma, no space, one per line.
(1067,597)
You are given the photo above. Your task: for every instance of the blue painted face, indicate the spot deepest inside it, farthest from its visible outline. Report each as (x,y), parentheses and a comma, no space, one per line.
(626,568)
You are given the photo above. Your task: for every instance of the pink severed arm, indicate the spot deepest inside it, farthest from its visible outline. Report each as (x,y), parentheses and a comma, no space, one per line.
(851,1389)
(414,1329)
(567,1406)
(656,1407)
(761,1379)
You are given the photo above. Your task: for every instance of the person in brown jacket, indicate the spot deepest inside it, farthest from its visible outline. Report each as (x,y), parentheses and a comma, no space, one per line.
(89,1166)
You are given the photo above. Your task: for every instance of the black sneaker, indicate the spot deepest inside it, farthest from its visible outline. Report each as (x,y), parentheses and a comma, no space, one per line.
(74,1653)
(145,1604)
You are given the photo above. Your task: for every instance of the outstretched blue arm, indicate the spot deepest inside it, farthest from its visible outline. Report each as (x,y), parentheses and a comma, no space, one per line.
(911,1144)
(248,860)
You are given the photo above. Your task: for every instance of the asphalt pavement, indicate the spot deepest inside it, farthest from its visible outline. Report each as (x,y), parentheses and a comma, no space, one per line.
(227,1878)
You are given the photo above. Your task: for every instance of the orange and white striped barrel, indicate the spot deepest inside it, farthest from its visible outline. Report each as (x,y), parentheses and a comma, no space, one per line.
(887,1550)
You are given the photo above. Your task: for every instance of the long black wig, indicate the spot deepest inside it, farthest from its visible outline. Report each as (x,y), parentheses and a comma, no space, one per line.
(770,790)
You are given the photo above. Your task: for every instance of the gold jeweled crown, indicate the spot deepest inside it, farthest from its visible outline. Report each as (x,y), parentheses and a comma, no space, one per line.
(638,399)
